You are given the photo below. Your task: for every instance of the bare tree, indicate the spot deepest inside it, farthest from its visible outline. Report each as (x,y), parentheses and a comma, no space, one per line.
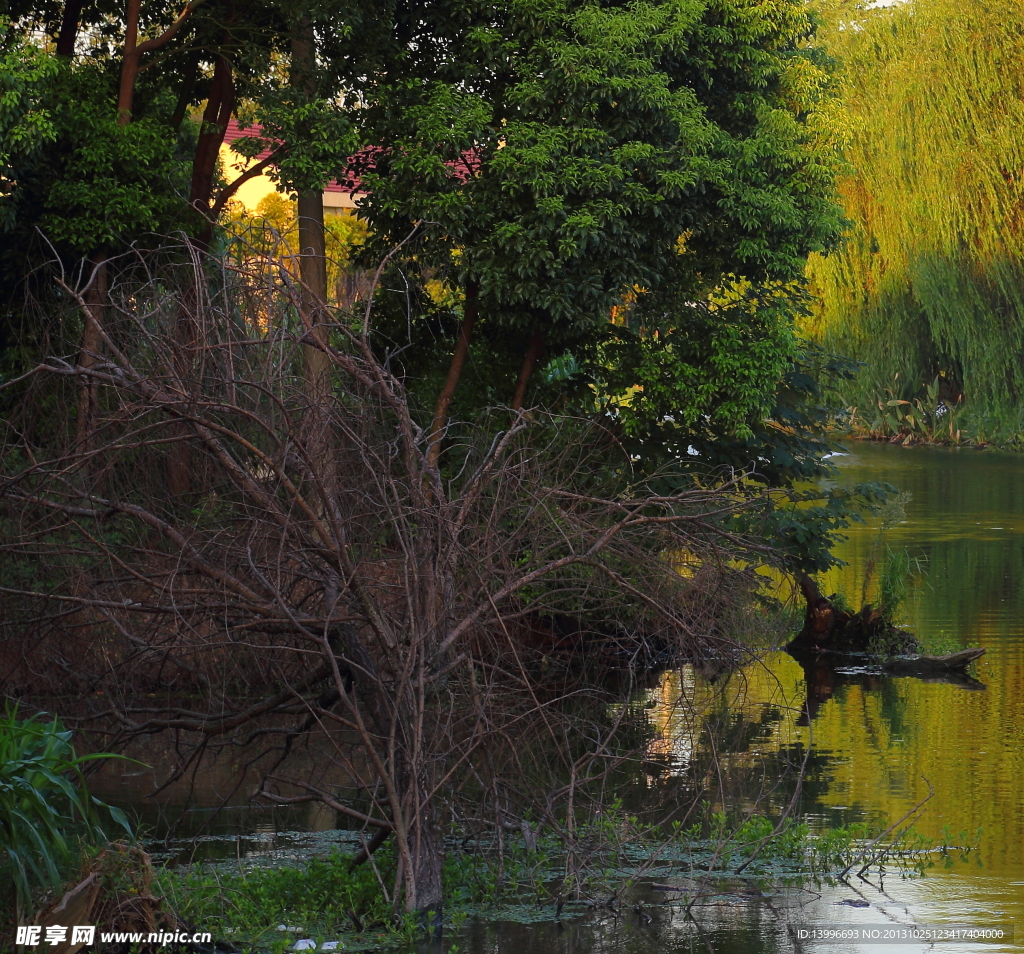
(331,572)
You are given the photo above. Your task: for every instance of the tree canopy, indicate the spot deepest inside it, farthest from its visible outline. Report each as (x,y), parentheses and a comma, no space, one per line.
(588,222)
(668,163)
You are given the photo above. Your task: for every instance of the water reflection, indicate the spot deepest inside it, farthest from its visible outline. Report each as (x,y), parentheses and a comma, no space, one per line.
(880,740)
(824,676)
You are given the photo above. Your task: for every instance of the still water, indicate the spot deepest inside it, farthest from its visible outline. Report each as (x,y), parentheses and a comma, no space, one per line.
(878,744)
(878,741)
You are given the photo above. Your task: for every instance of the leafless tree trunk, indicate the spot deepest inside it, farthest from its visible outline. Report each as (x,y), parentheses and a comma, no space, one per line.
(409,617)
(458,362)
(91,352)
(526,371)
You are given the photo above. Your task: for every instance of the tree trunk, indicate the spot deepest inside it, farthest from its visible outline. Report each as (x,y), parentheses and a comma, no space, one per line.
(529,363)
(428,862)
(313,274)
(89,354)
(219,108)
(188,86)
(69,28)
(313,277)
(129,63)
(444,399)
(422,881)
(827,627)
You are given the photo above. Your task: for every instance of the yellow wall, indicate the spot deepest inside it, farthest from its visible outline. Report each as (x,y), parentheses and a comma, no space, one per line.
(250,193)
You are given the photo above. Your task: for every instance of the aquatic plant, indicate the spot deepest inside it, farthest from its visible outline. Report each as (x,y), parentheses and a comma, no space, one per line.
(925,418)
(325,897)
(943,643)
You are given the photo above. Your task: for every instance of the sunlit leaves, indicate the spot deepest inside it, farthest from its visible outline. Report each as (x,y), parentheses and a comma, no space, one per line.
(929,281)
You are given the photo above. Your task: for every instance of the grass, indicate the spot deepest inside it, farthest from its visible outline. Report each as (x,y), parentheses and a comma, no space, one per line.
(943,643)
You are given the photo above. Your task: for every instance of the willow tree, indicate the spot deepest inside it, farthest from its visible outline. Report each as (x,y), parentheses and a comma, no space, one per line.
(931,280)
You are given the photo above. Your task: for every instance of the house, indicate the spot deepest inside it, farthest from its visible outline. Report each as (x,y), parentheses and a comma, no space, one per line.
(338,198)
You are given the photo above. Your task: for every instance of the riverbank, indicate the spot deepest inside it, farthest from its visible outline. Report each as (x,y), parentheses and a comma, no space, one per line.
(872,744)
(912,423)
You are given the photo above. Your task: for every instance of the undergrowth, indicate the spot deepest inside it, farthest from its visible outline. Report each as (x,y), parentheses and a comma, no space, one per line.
(47,817)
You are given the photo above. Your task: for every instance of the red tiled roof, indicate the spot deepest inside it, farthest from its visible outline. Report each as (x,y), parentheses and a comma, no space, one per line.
(235,132)
(465,167)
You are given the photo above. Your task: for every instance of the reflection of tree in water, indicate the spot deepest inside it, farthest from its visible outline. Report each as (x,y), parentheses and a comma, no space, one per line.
(719,746)
(725,929)
(825,678)
(963,521)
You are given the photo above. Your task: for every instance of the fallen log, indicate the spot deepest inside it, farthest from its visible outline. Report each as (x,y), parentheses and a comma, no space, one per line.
(923,665)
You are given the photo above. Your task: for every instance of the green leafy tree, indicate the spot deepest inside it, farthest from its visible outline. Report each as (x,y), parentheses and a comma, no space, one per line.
(568,161)
(25,124)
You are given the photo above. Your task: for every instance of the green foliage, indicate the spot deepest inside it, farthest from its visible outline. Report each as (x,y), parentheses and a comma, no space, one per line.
(93,188)
(319,137)
(322,895)
(925,418)
(727,357)
(928,286)
(44,804)
(894,582)
(943,643)
(25,122)
(106,186)
(324,898)
(671,160)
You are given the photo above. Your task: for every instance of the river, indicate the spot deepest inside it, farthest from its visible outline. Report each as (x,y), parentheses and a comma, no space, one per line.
(879,742)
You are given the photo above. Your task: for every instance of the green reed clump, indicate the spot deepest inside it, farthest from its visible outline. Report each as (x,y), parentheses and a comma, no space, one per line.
(46,812)
(894,581)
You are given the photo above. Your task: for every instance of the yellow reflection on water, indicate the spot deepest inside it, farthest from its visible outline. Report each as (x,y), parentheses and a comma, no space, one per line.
(879,741)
